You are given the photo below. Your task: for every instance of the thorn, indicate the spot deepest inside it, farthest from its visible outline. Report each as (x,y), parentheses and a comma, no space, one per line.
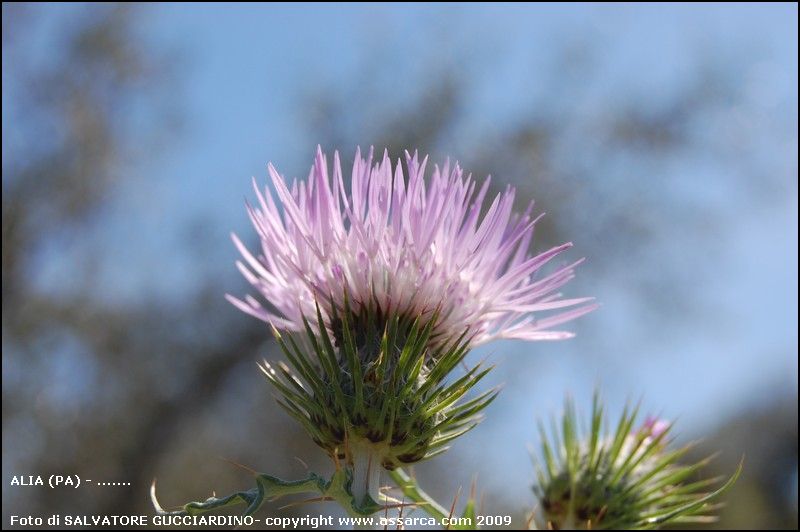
(324,498)
(237,464)
(305,465)
(402,505)
(601,514)
(335,457)
(531,517)
(153,497)
(154,500)
(453,506)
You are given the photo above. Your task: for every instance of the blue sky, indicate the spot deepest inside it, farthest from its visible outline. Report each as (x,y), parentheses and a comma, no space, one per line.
(244,69)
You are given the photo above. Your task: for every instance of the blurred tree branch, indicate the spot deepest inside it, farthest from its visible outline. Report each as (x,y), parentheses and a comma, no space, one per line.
(70,140)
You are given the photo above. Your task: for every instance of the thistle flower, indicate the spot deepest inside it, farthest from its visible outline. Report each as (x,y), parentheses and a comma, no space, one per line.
(627,480)
(399,247)
(376,293)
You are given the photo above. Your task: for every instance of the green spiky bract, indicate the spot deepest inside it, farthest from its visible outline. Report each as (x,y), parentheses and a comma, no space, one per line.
(377,379)
(625,480)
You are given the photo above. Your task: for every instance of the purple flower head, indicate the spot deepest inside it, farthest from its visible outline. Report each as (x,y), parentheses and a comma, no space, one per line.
(392,242)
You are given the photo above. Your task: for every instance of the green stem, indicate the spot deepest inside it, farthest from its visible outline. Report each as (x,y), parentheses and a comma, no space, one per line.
(411,489)
(366,473)
(366,486)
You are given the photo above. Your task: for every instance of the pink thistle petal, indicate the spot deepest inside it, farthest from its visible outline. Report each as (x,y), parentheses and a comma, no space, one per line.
(408,246)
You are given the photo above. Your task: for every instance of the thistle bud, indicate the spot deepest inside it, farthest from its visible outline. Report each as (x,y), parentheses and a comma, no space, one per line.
(626,480)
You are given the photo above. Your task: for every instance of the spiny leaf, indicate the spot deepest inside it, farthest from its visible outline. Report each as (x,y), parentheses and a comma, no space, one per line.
(269,487)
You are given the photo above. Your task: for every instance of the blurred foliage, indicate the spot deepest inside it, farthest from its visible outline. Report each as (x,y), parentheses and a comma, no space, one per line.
(128,391)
